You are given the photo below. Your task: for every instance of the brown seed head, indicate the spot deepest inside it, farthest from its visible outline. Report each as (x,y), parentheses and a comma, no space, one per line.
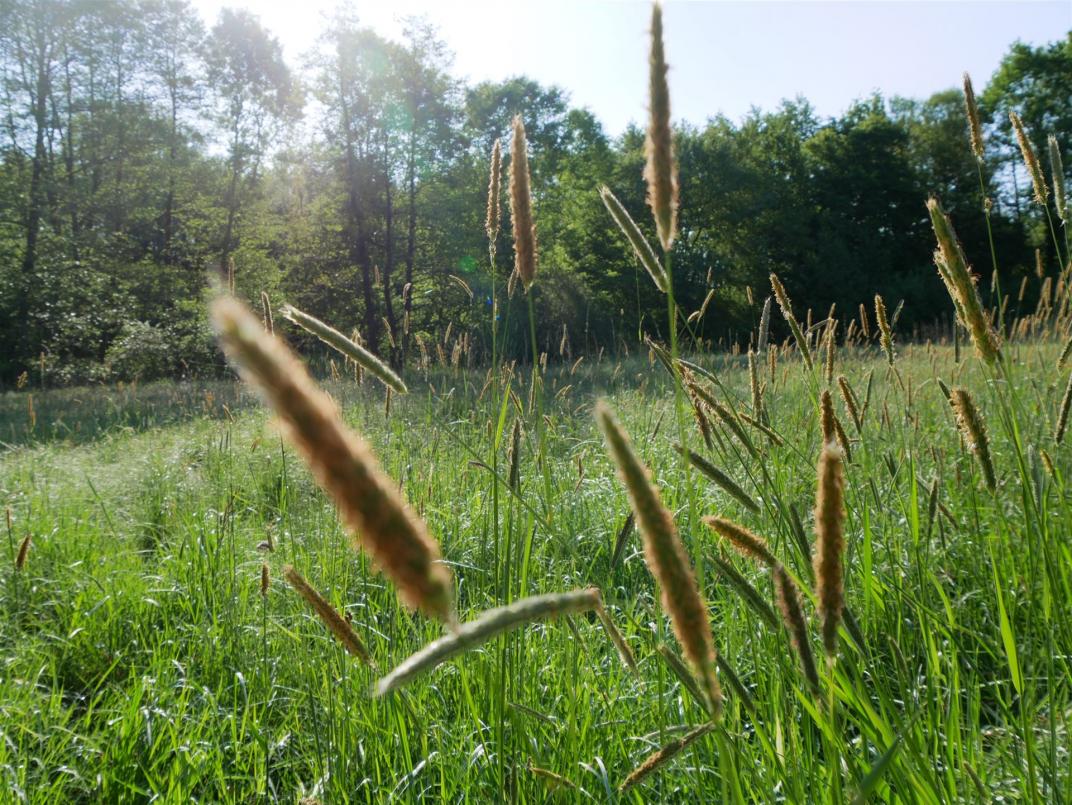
(953,268)
(666,558)
(521,206)
(660,172)
(330,617)
(24,551)
(791,320)
(826,416)
(1062,416)
(661,757)
(829,544)
(266,578)
(1057,170)
(743,541)
(491,223)
(885,333)
(368,501)
(1034,170)
(975,128)
(973,429)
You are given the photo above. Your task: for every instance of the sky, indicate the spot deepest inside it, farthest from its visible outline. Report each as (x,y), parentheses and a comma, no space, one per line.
(725,57)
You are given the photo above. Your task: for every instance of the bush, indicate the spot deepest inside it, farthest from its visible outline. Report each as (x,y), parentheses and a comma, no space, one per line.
(140,351)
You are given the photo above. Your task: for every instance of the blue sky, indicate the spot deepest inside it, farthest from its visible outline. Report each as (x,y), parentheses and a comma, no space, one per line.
(725,57)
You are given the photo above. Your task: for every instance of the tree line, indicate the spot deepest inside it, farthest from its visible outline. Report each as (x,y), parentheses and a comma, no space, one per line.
(143,151)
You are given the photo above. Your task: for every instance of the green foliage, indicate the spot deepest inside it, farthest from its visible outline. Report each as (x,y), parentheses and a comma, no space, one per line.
(143,152)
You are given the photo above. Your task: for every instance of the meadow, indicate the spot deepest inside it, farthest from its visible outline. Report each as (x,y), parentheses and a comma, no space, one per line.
(830,567)
(141,660)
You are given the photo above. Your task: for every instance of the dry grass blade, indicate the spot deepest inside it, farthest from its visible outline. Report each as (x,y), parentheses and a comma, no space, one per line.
(683,674)
(351,349)
(666,558)
(747,592)
(773,437)
(623,537)
(617,638)
(720,478)
(660,758)
(266,313)
(788,597)
(368,501)
(490,623)
(330,617)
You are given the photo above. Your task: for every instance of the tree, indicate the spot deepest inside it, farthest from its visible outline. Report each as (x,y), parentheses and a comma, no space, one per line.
(257,96)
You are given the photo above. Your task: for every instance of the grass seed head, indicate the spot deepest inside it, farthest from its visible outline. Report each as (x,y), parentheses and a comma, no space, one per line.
(826,417)
(660,172)
(347,347)
(656,760)
(1062,416)
(830,544)
(666,558)
(885,333)
(330,616)
(491,223)
(521,207)
(975,128)
(368,501)
(491,622)
(1034,169)
(1057,170)
(787,311)
(973,429)
(636,239)
(743,541)
(23,552)
(953,268)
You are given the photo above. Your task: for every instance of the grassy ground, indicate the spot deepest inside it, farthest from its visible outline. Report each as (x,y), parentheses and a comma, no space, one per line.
(139,659)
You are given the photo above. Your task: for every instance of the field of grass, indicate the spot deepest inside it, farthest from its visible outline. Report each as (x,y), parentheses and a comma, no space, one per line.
(139,660)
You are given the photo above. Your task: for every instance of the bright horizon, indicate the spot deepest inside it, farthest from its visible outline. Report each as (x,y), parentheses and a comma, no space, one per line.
(725,57)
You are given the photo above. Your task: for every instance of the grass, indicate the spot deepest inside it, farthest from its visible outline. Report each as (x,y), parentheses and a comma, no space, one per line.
(139,659)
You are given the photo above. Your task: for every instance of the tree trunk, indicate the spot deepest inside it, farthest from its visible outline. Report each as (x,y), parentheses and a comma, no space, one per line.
(411,242)
(389,257)
(35,205)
